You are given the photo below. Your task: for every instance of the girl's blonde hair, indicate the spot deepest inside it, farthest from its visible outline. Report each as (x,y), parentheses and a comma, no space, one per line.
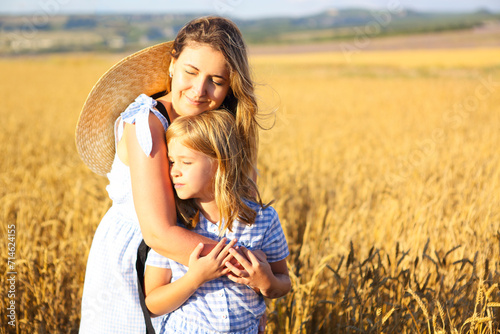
(213,133)
(223,35)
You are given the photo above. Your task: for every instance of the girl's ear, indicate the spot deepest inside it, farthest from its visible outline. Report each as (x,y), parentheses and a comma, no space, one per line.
(215,171)
(215,167)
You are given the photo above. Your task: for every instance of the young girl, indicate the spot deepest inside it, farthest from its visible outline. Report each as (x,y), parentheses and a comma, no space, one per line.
(206,67)
(215,198)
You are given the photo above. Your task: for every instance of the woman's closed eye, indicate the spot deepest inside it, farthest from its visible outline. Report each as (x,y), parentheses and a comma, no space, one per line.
(217,83)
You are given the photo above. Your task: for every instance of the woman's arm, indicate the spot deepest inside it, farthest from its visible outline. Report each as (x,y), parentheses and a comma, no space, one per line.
(271,279)
(164,297)
(154,198)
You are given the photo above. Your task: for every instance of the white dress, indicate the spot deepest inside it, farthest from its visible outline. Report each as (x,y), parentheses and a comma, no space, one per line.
(110,302)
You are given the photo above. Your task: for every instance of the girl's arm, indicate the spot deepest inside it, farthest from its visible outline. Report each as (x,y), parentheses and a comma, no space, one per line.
(154,197)
(164,297)
(271,279)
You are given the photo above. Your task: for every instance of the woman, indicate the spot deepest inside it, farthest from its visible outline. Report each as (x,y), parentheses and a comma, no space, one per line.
(207,68)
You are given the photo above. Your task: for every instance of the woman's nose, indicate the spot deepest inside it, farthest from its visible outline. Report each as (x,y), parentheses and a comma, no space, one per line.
(199,86)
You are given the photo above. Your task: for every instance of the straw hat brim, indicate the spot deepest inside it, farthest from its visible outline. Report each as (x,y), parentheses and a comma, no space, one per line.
(144,72)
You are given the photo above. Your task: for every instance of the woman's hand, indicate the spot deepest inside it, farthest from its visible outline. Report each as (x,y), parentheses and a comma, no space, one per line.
(206,268)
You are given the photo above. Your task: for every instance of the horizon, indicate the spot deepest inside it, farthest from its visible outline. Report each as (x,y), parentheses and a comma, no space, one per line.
(238,9)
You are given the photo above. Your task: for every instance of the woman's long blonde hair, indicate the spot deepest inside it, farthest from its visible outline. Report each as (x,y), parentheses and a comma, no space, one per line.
(213,133)
(223,35)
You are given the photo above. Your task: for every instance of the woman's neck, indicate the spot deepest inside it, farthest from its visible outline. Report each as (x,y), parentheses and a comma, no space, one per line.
(166,100)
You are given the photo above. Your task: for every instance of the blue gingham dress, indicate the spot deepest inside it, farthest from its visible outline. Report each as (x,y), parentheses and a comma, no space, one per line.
(110,302)
(222,306)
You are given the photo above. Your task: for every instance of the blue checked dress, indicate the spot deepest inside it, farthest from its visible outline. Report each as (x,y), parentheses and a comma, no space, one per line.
(110,302)
(222,306)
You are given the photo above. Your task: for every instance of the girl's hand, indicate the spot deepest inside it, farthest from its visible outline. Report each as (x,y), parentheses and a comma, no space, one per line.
(256,271)
(211,266)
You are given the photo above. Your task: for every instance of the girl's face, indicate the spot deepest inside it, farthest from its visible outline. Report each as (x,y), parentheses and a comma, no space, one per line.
(191,172)
(200,80)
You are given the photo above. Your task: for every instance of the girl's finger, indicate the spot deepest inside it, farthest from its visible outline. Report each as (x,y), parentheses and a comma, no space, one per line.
(228,258)
(217,249)
(259,254)
(235,279)
(250,255)
(236,271)
(241,258)
(225,271)
(225,252)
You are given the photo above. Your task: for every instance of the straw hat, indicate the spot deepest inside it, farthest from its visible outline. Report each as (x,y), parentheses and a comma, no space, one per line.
(142,72)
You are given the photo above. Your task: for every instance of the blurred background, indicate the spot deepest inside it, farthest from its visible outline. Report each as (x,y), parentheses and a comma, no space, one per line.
(48,26)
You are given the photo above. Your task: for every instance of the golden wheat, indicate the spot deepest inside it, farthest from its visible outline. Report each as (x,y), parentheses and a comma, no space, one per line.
(384,167)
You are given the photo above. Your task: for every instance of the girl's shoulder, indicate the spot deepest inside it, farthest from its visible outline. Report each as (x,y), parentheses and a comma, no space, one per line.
(263,212)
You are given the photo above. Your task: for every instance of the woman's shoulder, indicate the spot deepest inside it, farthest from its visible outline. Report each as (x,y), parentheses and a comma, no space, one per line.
(141,108)
(141,104)
(150,123)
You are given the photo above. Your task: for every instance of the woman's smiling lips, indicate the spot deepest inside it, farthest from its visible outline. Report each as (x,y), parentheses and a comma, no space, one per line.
(195,102)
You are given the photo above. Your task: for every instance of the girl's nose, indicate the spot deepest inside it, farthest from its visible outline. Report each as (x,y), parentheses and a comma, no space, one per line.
(174,171)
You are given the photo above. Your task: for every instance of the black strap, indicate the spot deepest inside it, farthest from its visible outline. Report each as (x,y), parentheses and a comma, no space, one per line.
(161,108)
(142,255)
(143,250)
(156,96)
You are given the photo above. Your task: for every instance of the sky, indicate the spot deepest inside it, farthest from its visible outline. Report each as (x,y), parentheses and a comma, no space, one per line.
(243,9)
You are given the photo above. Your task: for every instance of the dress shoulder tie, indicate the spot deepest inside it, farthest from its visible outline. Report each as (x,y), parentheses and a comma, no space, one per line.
(138,113)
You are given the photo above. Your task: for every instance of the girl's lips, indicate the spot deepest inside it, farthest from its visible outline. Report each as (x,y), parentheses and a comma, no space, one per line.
(178,185)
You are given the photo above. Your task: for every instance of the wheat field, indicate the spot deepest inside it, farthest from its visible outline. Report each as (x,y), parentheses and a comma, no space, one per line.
(384,168)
